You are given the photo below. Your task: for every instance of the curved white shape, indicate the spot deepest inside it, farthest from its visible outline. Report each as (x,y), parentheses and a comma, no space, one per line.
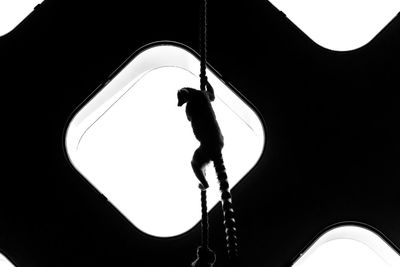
(4,262)
(349,246)
(134,144)
(340,25)
(12,12)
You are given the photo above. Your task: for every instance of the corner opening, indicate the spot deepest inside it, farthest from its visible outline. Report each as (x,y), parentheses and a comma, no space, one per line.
(349,246)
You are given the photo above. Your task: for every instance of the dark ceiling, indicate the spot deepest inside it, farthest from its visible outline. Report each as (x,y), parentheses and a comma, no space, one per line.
(332,122)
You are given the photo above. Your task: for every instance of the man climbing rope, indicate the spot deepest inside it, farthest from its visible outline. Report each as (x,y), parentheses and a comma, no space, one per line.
(205,127)
(200,113)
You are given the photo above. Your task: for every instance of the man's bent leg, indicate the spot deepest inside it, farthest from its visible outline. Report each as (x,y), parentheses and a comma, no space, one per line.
(199,162)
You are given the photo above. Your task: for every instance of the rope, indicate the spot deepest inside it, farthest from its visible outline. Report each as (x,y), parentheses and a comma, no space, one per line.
(205,256)
(203,45)
(204,218)
(203,81)
(227,208)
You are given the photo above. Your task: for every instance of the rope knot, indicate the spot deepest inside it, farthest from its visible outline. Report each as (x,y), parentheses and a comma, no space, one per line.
(205,257)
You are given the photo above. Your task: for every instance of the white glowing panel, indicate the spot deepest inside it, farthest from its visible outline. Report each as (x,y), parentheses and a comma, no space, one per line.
(340,24)
(349,246)
(135,145)
(4,262)
(12,12)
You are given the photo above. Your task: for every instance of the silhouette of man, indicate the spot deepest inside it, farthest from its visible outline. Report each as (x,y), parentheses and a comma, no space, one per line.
(200,113)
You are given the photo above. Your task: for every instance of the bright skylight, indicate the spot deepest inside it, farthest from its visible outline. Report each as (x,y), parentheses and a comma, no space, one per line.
(349,246)
(134,144)
(4,262)
(340,24)
(12,12)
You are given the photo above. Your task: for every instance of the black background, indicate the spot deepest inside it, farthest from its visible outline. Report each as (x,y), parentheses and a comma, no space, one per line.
(332,123)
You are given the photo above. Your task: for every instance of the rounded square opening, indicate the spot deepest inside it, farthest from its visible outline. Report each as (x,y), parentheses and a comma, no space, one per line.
(135,145)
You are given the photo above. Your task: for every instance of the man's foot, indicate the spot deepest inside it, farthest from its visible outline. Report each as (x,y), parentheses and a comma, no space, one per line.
(203,186)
